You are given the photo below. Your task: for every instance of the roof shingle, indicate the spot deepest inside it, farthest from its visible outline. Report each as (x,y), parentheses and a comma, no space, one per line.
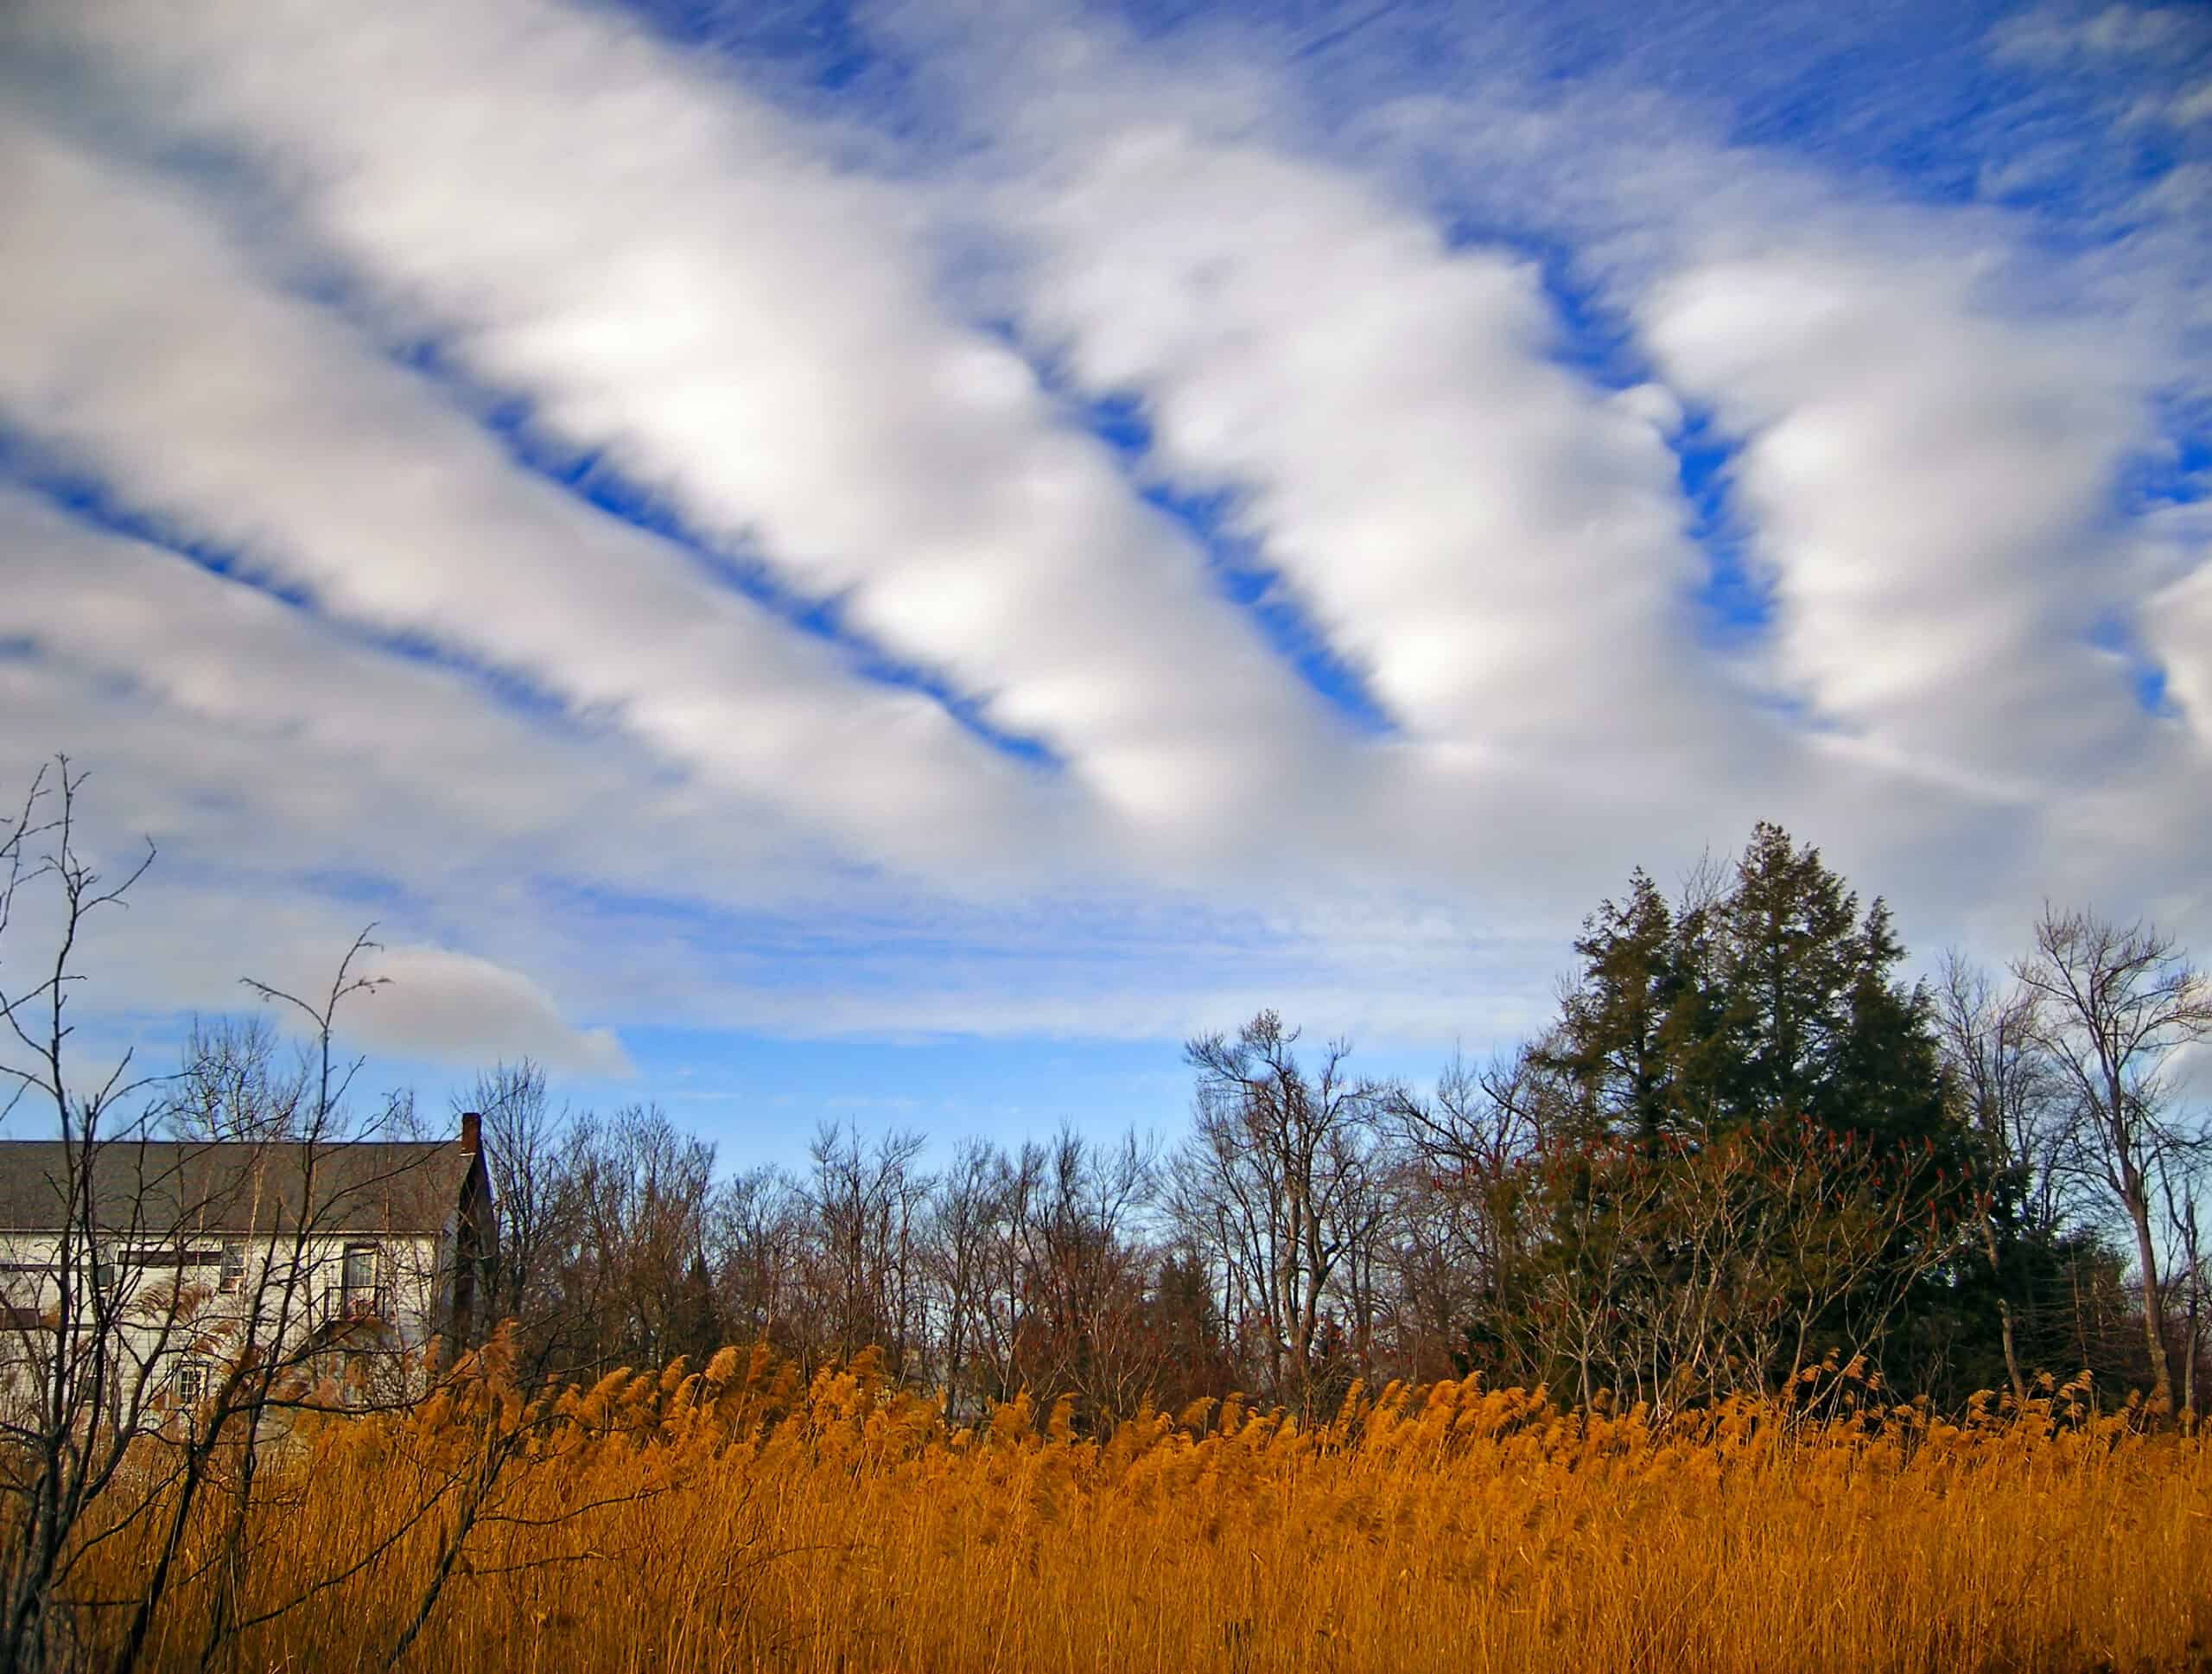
(160,1186)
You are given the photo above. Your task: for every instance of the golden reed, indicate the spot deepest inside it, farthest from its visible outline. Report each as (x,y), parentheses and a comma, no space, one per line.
(737,1518)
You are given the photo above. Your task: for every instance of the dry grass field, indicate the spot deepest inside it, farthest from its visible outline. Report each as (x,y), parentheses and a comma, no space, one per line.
(735,1518)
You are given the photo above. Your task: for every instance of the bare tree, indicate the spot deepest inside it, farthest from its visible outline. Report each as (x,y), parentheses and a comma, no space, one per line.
(230,1085)
(965,1216)
(522,1145)
(2016,1101)
(272,1340)
(867,1205)
(1277,1181)
(2185,1172)
(758,1227)
(67,1435)
(1464,1154)
(1082,1270)
(2114,1006)
(635,1192)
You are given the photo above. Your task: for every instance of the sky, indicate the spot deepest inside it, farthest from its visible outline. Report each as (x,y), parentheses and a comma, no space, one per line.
(891,563)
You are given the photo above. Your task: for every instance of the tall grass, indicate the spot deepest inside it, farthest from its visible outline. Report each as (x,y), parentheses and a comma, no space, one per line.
(736,1517)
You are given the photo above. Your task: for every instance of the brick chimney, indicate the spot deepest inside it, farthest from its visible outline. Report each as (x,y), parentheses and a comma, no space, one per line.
(471,1131)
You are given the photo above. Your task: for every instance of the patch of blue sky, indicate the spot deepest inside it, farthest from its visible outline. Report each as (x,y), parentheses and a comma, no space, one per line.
(1891,87)
(2149,685)
(1594,337)
(1119,420)
(349,887)
(871,935)
(825,37)
(774,949)
(2144,674)
(2179,474)
(1236,562)
(1918,96)
(1735,601)
(762,1098)
(824,57)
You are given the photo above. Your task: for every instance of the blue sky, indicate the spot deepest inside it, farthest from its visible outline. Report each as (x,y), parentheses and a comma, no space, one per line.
(889,563)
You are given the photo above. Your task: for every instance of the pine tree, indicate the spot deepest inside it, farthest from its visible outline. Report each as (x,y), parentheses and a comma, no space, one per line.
(1615,1038)
(1815,1022)
(1762,1020)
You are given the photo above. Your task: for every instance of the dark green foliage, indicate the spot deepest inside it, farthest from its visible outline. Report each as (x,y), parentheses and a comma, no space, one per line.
(1772,1001)
(2072,1307)
(1621,1039)
(696,1329)
(1762,1010)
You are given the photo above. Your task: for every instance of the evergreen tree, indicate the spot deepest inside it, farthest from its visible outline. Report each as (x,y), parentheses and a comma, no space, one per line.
(1818,1025)
(1616,1038)
(1776,1002)
(1790,957)
(696,1329)
(1712,1049)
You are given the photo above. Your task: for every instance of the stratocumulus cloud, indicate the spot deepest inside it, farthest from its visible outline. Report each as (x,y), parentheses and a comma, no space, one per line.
(1103,526)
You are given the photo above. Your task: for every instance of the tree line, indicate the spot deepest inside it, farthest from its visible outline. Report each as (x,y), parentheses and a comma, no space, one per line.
(1744,1154)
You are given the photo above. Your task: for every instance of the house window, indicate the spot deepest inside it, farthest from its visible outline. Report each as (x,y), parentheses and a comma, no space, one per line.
(360,1266)
(191,1383)
(168,1255)
(232,1272)
(359,1279)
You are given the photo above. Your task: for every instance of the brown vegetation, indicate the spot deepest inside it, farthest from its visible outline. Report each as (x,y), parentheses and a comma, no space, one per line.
(742,1518)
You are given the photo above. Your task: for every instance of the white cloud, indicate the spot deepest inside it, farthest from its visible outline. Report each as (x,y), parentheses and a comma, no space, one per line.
(2177,621)
(721,823)
(398,514)
(2116,31)
(1494,540)
(223,695)
(1929,484)
(674,279)
(1939,412)
(455,1006)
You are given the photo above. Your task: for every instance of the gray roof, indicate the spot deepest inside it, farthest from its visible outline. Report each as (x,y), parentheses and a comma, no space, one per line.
(231,1186)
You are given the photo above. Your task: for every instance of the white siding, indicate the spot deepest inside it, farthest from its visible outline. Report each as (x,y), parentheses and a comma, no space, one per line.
(187,1302)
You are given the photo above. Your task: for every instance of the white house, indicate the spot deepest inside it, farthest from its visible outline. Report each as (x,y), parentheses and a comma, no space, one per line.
(344,1258)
